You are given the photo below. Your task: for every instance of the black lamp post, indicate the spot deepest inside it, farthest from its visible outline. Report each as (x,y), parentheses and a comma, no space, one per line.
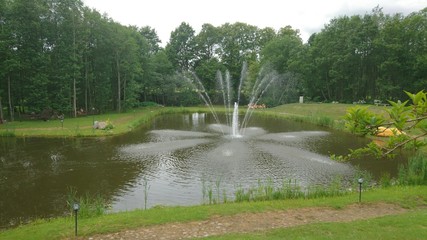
(360,181)
(76,208)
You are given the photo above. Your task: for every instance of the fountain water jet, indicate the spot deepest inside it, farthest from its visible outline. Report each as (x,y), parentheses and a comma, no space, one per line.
(260,86)
(235,122)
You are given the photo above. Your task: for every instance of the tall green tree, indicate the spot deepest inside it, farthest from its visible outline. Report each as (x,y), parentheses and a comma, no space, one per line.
(418,25)
(153,40)
(207,42)
(208,63)
(29,22)
(148,45)
(239,43)
(160,74)
(390,65)
(9,64)
(65,49)
(343,57)
(124,50)
(283,51)
(181,47)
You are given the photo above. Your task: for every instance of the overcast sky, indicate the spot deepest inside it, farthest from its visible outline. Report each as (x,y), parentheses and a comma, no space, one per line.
(309,16)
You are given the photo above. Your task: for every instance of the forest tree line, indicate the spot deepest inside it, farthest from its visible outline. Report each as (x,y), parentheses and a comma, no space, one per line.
(62,55)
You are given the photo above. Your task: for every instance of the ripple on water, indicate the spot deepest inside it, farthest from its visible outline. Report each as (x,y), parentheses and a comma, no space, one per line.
(153,148)
(178,163)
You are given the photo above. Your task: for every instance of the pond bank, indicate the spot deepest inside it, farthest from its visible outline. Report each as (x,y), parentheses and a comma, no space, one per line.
(321,114)
(397,198)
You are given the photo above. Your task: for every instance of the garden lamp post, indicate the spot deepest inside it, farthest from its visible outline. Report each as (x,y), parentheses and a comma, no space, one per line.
(360,181)
(76,208)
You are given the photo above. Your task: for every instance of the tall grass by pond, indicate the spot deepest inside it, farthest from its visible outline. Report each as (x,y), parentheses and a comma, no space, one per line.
(415,173)
(266,190)
(289,189)
(8,131)
(90,205)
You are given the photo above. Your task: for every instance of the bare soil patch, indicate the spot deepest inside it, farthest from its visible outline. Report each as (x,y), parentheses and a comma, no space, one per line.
(251,222)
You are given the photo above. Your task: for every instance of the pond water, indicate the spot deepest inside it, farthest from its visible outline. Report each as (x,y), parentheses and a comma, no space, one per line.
(169,162)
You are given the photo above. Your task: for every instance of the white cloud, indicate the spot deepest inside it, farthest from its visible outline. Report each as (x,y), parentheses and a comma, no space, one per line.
(308,16)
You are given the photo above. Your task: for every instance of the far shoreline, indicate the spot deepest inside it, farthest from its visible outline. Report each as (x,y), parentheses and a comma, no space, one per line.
(322,114)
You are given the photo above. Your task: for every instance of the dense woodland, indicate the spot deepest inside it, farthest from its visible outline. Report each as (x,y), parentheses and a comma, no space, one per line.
(64,56)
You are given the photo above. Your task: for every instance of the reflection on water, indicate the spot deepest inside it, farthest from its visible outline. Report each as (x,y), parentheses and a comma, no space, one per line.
(174,157)
(36,174)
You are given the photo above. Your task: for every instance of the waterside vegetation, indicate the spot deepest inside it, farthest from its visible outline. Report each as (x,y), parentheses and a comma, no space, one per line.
(413,198)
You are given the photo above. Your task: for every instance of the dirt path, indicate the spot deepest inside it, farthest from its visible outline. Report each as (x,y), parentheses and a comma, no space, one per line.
(250,222)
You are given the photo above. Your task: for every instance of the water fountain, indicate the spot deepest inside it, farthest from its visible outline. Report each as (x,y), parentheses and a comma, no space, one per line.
(264,80)
(234,152)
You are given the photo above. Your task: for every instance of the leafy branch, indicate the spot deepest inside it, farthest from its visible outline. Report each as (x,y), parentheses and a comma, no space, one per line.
(409,116)
(405,142)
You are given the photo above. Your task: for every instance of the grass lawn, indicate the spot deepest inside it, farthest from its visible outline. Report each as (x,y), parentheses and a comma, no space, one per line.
(82,126)
(407,226)
(414,198)
(334,111)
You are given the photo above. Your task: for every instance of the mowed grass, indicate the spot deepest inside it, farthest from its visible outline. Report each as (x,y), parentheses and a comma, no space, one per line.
(413,198)
(334,111)
(324,114)
(83,126)
(411,225)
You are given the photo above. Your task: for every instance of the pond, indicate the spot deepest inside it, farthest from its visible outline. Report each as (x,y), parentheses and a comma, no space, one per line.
(169,163)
